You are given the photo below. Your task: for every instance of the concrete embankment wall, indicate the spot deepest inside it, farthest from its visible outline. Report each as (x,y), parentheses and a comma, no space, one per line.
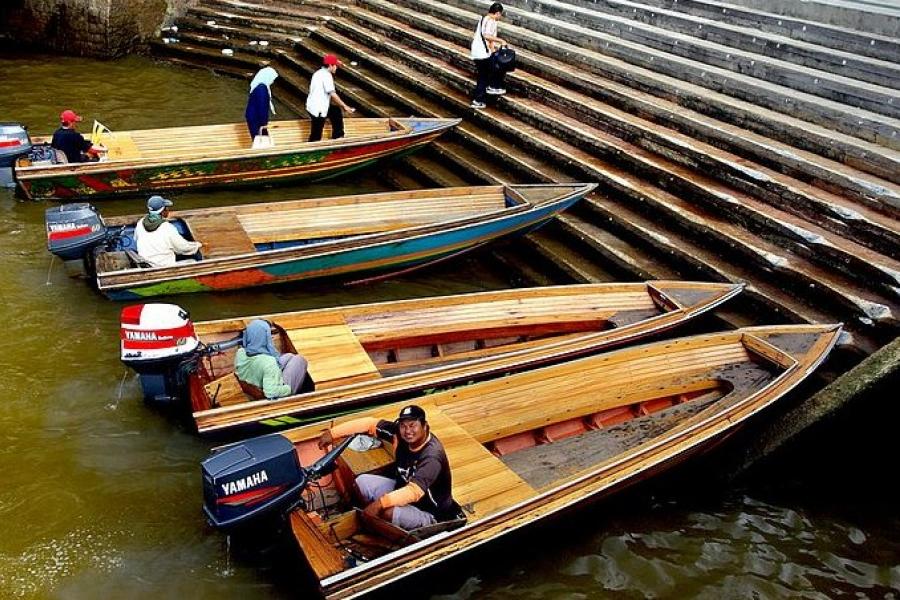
(103,28)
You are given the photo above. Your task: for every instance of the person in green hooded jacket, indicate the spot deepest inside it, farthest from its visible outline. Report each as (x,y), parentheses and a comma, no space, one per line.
(258,363)
(157,239)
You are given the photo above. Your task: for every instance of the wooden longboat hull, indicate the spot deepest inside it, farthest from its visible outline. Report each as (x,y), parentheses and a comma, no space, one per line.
(637,310)
(730,376)
(378,252)
(281,164)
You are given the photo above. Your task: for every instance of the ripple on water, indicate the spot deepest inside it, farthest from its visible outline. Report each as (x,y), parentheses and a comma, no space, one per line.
(40,568)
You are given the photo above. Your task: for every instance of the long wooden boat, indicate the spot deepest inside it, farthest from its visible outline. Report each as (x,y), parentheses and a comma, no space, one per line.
(365,354)
(524,447)
(259,244)
(157,160)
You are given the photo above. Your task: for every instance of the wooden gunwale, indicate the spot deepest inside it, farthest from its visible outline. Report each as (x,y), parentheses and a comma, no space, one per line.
(354,395)
(37,172)
(681,440)
(123,279)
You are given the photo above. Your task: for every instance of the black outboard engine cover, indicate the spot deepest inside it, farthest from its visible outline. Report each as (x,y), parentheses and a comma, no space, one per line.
(246,480)
(14,142)
(73,229)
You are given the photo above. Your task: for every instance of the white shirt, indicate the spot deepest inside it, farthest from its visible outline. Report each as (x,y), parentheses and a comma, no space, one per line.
(321,87)
(158,247)
(481,48)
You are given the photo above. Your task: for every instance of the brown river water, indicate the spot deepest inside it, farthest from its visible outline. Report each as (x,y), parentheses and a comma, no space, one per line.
(100,495)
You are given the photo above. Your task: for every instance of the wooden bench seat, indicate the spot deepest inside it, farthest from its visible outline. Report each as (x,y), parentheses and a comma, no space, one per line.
(334,355)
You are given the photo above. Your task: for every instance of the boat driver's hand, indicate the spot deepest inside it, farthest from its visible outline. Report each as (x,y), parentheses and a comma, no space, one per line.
(325,439)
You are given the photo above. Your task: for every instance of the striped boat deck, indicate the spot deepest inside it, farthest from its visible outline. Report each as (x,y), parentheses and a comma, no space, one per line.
(205,140)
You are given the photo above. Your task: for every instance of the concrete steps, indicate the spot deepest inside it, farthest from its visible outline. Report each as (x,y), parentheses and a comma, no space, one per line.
(861,110)
(847,147)
(870,310)
(845,217)
(548,119)
(855,42)
(881,17)
(729,46)
(747,37)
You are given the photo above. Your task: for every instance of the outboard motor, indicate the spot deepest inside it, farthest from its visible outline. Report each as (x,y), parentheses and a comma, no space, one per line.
(260,476)
(157,340)
(14,142)
(73,229)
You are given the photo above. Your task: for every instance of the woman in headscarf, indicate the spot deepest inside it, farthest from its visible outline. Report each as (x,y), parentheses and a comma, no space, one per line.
(260,364)
(260,102)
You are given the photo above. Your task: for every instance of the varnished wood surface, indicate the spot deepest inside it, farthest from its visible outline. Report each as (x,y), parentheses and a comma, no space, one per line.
(465,418)
(221,234)
(384,320)
(333,353)
(176,145)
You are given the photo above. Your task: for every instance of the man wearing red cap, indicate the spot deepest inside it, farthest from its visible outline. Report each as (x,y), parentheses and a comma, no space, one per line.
(72,143)
(323,101)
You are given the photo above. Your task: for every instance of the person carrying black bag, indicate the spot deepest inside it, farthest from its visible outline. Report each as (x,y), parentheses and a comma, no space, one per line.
(484,44)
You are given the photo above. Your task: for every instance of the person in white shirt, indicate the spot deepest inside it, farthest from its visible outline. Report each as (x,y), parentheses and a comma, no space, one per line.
(157,239)
(484,43)
(323,101)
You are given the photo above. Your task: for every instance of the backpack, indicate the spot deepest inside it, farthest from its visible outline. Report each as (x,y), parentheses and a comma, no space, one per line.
(504,60)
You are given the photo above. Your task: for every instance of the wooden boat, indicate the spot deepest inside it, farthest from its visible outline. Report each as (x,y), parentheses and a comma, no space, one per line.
(365,354)
(259,244)
(524,447)
(156,160)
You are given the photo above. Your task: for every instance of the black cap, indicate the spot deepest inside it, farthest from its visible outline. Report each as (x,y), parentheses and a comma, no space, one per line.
(412,412)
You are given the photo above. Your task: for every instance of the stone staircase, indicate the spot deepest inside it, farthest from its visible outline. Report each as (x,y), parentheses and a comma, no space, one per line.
(730,143)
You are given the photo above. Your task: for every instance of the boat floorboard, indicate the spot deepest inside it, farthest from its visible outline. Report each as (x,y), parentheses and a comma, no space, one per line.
(545,465)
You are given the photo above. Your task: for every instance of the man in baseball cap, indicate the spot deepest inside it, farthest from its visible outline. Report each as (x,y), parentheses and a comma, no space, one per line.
(157,240)
(419,493)
(70,142)
(323,101)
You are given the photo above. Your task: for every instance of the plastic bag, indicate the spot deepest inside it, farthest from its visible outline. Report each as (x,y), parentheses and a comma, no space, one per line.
(263,140)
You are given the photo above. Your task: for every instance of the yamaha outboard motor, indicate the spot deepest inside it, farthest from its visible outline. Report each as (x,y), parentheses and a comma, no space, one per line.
(14,142)
(73,229)
(258,477)
(158,342)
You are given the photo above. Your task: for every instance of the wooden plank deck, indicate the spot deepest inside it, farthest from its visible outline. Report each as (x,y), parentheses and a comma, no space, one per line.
(482,484)
(203,140)
(334,355)
(221,233)
(315,220)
